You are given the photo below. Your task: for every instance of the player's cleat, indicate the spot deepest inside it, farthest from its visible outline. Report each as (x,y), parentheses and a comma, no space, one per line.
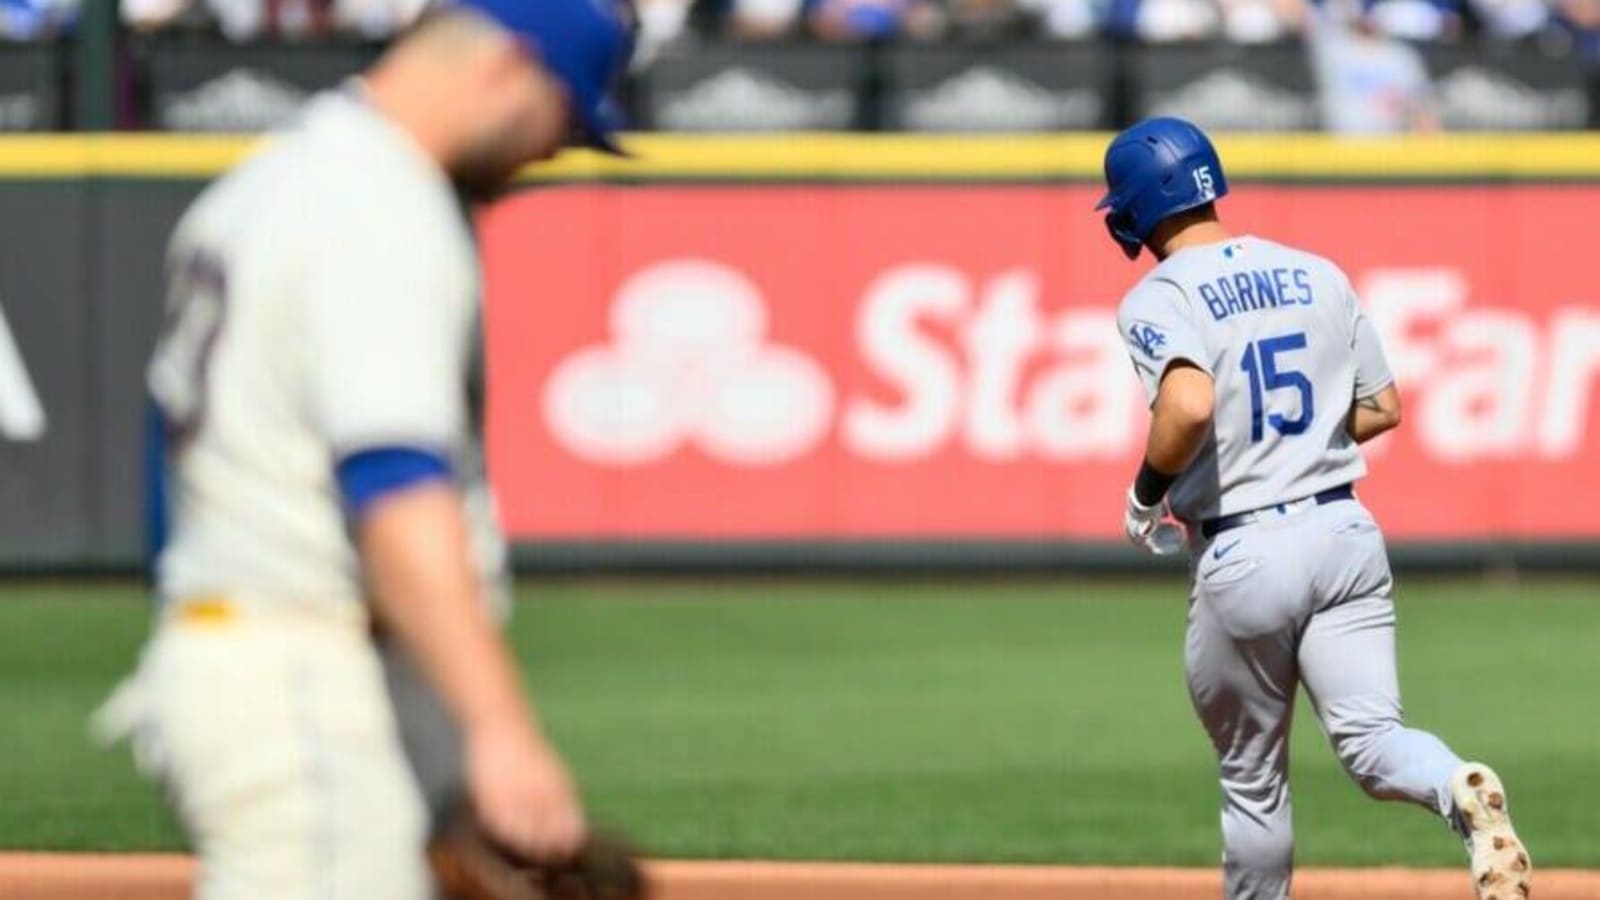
(1501,869)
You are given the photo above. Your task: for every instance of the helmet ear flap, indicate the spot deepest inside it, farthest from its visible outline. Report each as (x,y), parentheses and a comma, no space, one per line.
(1120,226)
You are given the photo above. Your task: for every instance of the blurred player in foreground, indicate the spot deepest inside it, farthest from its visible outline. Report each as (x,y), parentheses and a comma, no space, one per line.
(315,380)
(1264,376)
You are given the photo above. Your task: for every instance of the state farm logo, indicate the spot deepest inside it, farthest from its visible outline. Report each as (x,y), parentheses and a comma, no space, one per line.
(688,365)
(949,359)
(1487,382)
(939,359)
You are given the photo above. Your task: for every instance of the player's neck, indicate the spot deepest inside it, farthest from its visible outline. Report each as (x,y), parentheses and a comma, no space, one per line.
(1197,234)
(411,104)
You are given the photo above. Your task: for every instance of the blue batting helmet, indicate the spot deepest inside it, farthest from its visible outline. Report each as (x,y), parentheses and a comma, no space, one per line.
(585,44)
(1158,168)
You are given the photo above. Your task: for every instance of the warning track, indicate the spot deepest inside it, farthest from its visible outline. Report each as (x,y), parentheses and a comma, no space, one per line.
(65,876)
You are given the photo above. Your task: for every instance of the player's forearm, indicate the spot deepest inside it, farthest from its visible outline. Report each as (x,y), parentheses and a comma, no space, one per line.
(1172,445)
(1180,420)
(1372,416)
(414,546)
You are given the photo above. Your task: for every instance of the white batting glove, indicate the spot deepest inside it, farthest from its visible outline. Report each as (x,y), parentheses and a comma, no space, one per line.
(1150,529)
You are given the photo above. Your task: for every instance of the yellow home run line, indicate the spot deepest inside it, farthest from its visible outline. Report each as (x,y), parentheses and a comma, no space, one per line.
(870,157)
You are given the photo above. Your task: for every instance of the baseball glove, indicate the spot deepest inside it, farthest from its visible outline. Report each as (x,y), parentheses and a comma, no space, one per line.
(470,865)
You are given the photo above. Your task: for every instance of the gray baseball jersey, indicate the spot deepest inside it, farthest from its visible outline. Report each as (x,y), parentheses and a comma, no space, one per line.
(1281,333)
(1302,596)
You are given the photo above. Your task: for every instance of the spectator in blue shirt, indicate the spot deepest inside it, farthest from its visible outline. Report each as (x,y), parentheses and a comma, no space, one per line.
(870,20)
(36,20)
(1580,20)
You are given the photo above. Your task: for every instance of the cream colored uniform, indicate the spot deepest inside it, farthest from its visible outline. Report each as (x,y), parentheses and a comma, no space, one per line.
(324,299)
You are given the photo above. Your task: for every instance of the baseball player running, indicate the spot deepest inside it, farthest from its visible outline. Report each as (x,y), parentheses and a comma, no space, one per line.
(326,478)
(1263,377)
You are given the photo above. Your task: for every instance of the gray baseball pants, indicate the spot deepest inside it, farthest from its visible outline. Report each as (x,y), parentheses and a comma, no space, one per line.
(1300,596)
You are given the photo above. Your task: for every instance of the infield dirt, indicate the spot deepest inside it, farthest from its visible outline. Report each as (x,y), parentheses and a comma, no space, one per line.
(61,876)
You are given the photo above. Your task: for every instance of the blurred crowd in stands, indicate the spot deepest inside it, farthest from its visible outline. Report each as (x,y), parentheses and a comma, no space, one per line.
(1156,21)
(248,20)
(1559,22)
(665,21)
(1369,60)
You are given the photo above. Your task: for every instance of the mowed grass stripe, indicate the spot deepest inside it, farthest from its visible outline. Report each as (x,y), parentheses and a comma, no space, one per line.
(970,720)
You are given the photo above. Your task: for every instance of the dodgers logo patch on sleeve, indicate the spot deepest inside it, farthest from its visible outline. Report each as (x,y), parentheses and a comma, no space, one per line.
(1149,339)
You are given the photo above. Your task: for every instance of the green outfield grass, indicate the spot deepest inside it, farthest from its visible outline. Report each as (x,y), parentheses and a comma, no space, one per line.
(973,720)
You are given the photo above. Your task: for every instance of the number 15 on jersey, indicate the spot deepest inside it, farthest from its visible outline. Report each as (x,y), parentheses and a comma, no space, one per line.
(1267,375)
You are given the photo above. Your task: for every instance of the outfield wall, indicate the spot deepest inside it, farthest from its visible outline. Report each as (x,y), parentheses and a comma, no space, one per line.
(822,351)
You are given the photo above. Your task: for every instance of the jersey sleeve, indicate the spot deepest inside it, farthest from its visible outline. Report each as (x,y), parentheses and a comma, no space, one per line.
(1158,329)
(388,329)
(1372,367)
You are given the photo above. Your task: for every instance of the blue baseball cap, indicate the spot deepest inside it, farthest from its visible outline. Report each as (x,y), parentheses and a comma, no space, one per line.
(585,44)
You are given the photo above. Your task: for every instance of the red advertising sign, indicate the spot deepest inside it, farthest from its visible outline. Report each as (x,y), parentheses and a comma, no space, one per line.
(846,362)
